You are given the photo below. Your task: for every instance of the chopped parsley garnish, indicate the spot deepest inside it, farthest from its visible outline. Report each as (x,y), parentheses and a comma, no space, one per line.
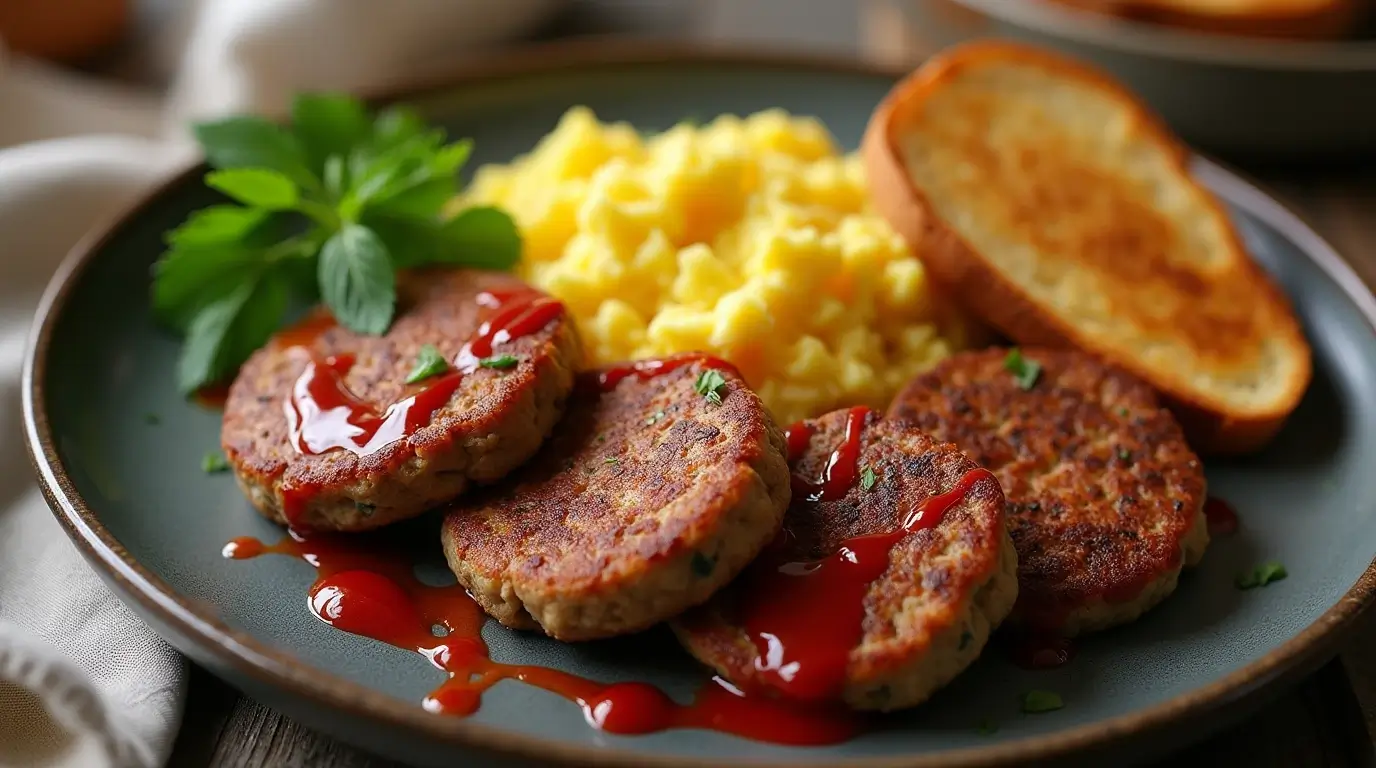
(987,727)
(1124,454)
(1025,371)
(711,385)
(1035,702)
(867,479)
(500,362)
(611,460)
(1261,575)
(654,417)
(428,363)
(1123,412)
(214,462)
(325,208)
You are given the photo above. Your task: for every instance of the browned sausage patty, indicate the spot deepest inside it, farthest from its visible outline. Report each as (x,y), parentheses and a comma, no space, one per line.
(1105,499)
(940,593)
(485,422)
(649,498)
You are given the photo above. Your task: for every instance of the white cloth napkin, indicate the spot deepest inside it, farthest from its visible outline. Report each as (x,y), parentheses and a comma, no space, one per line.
(83,682)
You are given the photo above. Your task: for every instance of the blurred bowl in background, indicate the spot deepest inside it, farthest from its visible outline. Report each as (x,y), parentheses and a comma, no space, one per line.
(61,30)
(1241,97)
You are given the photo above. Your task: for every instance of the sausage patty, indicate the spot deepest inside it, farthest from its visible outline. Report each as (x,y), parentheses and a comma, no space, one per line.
(938,583)
(653,493)
(324,432)
(1105,499)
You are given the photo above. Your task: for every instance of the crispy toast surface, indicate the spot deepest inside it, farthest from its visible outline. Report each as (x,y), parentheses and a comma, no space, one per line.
(1300,19)
(1056,207)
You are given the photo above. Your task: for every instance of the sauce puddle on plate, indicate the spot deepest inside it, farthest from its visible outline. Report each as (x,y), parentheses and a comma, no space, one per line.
(374,593)
(1221,516)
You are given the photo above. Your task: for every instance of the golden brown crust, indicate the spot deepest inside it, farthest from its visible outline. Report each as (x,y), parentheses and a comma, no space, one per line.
(1326,19)
(1213,425)
(930,597)
(648,499)
(494,421)
(1105,499)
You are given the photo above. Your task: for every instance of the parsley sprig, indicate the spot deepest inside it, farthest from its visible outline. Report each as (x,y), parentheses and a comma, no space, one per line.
(326,208)
(429,362)
(1025,370)
(711,385)
(1261,575)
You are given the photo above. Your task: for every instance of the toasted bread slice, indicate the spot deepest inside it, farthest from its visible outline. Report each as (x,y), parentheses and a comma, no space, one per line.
(1300,19)
(1055,206)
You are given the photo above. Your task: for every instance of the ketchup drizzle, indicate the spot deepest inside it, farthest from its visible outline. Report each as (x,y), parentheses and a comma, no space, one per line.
(805,617)
(374,593)
(323,415)
(516,313)
(649,369)
(1221,516)
(842,468)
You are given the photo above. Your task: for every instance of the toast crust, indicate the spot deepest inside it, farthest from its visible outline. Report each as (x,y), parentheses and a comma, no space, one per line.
(1212,423)
(1310,20)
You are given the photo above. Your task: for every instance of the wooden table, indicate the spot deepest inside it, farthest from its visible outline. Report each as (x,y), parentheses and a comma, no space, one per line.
(1326,720)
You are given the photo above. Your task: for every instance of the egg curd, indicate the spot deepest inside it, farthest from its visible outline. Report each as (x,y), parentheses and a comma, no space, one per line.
(751,239)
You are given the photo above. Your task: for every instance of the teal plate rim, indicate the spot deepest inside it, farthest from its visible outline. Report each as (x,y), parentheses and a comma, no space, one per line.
(255,660)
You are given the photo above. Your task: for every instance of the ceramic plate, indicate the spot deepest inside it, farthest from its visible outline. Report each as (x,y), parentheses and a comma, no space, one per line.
(133,495)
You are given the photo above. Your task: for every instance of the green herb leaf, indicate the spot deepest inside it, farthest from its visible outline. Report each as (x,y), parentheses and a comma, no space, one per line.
(429,362)
(1025,371)
(227,330)
(371,195)
(206,336)
(189,279)
(356,280)
(1035,702)
(711,385)
(867,479)
(252,142)
(258,187)
(395,125)
(1124,455)
(214,462)
(422,200)
(328,125)
(480,237)
(216,225)
(1261,575)
(611,460)
(654,417)
(500,362)
(451,157)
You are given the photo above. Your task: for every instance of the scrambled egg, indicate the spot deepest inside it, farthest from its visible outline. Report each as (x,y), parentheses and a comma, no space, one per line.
(748,238)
